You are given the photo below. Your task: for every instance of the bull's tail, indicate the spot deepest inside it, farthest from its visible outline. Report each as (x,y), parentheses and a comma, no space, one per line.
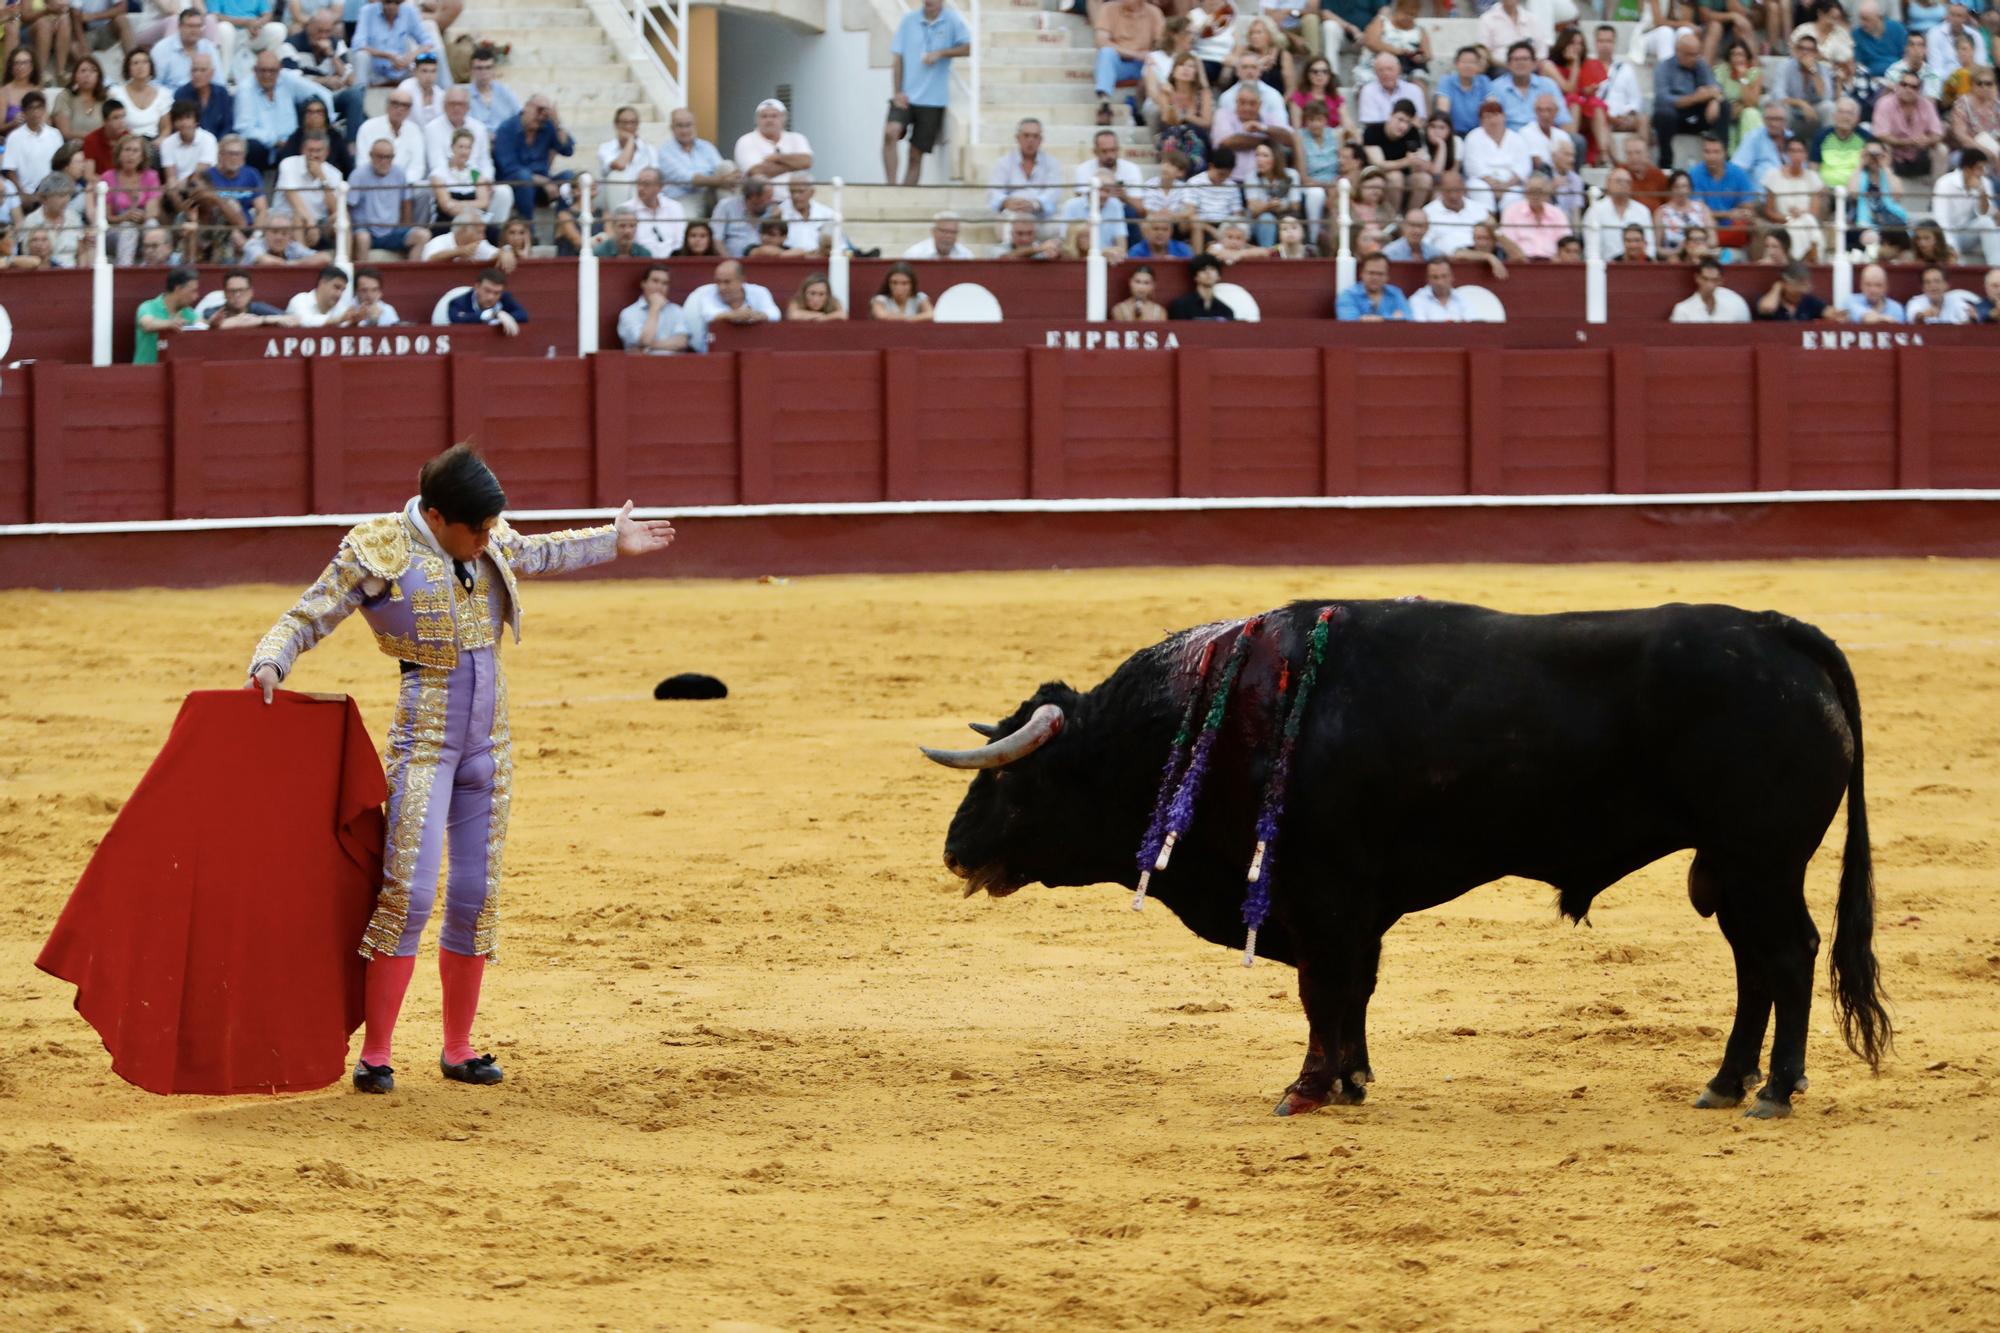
(1857,985)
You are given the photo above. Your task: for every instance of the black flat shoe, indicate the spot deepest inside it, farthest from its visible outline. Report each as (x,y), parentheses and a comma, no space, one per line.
(374,1078)
(480,1069)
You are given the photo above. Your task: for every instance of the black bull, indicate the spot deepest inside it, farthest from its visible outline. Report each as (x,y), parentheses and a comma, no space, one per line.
(1447,746)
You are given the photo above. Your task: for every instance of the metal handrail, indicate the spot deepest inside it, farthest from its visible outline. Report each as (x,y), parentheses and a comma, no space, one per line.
(651,36)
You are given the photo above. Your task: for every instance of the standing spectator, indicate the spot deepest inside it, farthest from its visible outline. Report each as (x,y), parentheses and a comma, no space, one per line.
(942,243)
(1024,182)
(277,242)
(134,198)
(457,119)
(240,308)
(771,152)
(309,187)
(1873,304)
(1510,22)
(927,40)
(1119,182)
(728,300)
(1963,202)
(692,167)
(1939,304)
(1496,160)
(654,325)
(814,302)
(1836,153)
(79,108)
(426,93)
(397,125)
(1126,32)
(810,223)
(489,302)
(525,150)
(1453,214)
(1795,199)
(623,156)
(370,310)
(1377,97)
(1201,302)
(493,102)
(1791,297)
(1533,223)
(1907,121)
(387,41)
(1436,302)
(898,299)
(382,205)
(267,111)
(1878,42)
(1139,307)
(1521,86)
(1372,300)
(215,109)
(1686,98)
(318,55)
(736,218)
(234,191)
(457,186)
(465,243)
(31,145)
(621,239)
(1612,214)
(184,155)
(1023,240)
(172,54)
(1712,303)
(324,303)
(169,312)
(1977,113)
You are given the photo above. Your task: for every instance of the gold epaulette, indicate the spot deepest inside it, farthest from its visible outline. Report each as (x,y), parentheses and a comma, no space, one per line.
(382,545)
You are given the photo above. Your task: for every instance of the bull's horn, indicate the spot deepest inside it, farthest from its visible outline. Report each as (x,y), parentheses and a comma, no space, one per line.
(1033,735)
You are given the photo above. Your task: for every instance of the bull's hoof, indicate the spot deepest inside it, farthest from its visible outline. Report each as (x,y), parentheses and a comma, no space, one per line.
(1348,1092)
(1297,1103)
(1718,1095)
(1766,1108)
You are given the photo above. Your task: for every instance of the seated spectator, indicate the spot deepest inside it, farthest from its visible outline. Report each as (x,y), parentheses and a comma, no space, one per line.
(1139,307)
(524,151)
(1453,214)
(1495,162)
(698,242)
(370,310)
(1024,240)
(1988,309)
(1377,96)
(1204,271)
(1617,210)
(457,119)
(1533,223)
(771,153)
(898,298)
(156,249)
(240,25)
(1511,22)
(1413,241)
(234,192)
(387,40)
(771,234)
(1649,183)
(654,325)
(1238,128)
(317,54)
(1126,32)
(1937,303)
(173,55)
(1907,121)
(814,301)
(1490,248)
(133,201)
(465,243)
(1396,150)
(267,109)
(1697,244)
(728,300)
(622,237)
(489,302)
(1568,193)
(1024,182)
(1836,153)
(1633,247)
(493,102)
(457,185)
(184,155)
(324,303)
(1569,250)
(737,217)
(313,119)
(79,107)
(1540,136)
(309,188)
(1625,107)
(39,250)
(1873,304)
(214,108)
(277,242)
(1215,195)
(1712,303)
(382,207)
(98,145)
(1437,302)
(169,312)
(693,168)
(809,229)
(942,243)
(1727,191)
(1156,241)
(144,100)
(400,129)
(1678,215)
(1232,245)
(1794,199)
(1804,88)
(1791,297)
(240,308)
(426,92)
(1977,113)
(623,156)
(1687,98)
(1167,196)
(1372,300)
(32,144)
(1964,203)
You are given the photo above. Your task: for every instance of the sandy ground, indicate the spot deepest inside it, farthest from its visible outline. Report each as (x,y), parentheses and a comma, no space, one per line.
(766,1068)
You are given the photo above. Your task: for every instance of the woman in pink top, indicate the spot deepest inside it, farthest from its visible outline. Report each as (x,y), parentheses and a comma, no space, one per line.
(134,200)
(1317,84)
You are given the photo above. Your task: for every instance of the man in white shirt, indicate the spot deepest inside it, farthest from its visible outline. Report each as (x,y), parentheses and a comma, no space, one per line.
(1270,102)
(465,243)
(1120,196)
(1962,200)
(1025,181)
(1453,214)
(309,185)
(458,116)
(1436,302)
(1941,42)
(728,300)
(1712,303)
(1605,221)
(33,144)
(1624,101)
(1937,303)
(662,221)
(425,91)
(1495,160)
(1541,133)
(370,310)
(810,221)
(325,303)
(771,152)
(400,128)
(942,243)
(183,155)
(653,325)
(1378,96)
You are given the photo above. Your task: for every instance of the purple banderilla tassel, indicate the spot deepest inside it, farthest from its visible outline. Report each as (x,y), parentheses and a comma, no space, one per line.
(1257,901)
(1170,776)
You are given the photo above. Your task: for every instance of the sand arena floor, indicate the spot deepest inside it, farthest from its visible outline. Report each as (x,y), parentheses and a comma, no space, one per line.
(767,1069)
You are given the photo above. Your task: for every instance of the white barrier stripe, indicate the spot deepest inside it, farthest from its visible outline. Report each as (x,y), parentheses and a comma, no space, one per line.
(1166,505)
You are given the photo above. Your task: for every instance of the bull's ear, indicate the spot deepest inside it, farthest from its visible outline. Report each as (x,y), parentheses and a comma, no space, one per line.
(986,729)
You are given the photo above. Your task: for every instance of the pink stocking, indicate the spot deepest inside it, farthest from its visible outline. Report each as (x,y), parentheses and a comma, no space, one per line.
(388,979)
(460,974)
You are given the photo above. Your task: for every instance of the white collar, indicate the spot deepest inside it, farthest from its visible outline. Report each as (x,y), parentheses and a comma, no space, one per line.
(414,512)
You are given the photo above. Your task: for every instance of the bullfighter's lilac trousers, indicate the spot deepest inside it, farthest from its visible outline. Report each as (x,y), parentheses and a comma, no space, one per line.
(449,758)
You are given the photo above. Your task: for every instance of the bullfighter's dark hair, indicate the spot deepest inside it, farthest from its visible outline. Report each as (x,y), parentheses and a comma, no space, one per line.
(459,485)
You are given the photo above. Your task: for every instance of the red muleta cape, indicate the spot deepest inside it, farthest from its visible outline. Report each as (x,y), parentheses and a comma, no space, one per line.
(212,937)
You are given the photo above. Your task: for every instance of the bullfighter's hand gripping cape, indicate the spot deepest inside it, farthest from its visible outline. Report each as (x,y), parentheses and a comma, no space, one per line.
(211,939)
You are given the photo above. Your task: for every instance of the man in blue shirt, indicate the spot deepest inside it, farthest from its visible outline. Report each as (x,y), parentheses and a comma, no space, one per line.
(388,40)
(927,41)
(1686,97)
(214,108)
(1517,92)
(1763,146)
(236,188)
(1157,242)
(1878,42)
(1730,194)
(489,302)
(1873,304)
(1372,300)
(173,54)
(692,168)
(493,102)
(524,152)
(267,110)
(1460,93)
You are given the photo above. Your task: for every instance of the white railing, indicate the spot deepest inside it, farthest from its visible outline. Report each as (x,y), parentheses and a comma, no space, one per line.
(659,40)
(586,270)
(100,274)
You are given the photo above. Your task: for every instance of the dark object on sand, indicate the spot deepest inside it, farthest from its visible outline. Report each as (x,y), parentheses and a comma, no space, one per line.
(690,685)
